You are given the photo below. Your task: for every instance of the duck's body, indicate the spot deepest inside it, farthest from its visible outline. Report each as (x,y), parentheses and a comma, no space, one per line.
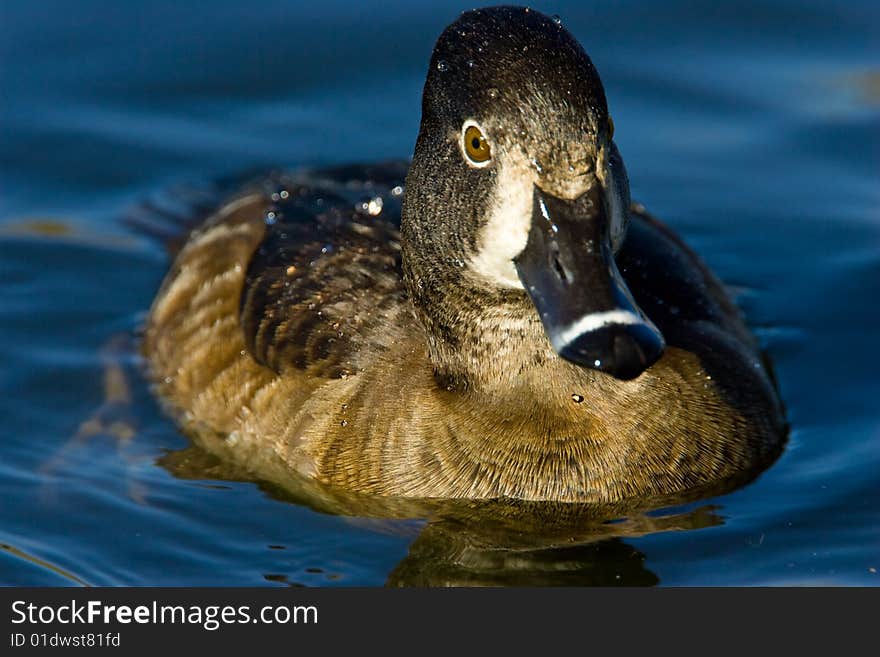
(293,323)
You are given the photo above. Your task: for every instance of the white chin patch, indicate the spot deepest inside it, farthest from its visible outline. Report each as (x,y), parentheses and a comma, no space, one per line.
(507,230)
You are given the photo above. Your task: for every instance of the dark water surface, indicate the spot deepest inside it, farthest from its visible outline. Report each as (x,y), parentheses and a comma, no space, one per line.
(754,132)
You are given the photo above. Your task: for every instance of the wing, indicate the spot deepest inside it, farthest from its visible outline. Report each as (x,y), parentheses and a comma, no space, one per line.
(326,280)
(673,286)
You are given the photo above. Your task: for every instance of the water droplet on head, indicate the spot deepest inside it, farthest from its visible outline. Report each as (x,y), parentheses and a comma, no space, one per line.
(442,66)
(397,191)
(493,93)
(270,217)
(537,165)
(577,399)
(470,63)
(344,423)
(597,363)
(557,19)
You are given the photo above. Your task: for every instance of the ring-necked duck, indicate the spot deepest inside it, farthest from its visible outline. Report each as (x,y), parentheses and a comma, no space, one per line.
(516,328)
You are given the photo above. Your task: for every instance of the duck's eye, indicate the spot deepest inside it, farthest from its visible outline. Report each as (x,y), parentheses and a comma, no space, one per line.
(610,129)
(475,145)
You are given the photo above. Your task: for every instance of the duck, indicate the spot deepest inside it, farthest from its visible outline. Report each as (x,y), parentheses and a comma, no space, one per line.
(494,319)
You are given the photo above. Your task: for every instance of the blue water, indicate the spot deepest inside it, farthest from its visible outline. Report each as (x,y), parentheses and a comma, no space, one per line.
(755,132)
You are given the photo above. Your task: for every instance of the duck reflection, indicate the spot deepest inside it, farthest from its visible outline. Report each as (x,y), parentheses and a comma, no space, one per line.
(494,542)
(533,547)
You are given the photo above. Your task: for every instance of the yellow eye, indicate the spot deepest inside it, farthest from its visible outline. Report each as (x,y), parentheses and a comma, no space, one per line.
(475,145)
(610,129)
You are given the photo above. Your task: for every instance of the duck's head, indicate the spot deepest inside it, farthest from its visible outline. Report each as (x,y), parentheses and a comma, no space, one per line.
(517,201)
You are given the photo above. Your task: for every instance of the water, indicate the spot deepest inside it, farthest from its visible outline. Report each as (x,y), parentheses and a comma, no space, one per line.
(754,132)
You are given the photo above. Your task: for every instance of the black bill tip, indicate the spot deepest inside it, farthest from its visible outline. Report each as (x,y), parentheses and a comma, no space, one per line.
(622,350)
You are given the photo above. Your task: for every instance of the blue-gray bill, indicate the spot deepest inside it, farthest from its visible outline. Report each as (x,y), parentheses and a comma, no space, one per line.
(568,270)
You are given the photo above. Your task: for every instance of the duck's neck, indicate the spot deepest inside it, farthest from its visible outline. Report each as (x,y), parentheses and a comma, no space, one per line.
(479,338)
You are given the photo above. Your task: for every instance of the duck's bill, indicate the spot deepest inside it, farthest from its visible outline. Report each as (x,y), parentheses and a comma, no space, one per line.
(569,272)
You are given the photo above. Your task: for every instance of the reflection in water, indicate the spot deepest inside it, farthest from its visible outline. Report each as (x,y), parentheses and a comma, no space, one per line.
(867,85)
(444,557)
(113,419)
(577,548)
(492,542)
(47,228)
(69,577)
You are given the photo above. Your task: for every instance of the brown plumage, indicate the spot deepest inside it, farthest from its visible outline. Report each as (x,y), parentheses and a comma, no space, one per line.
(295,327)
